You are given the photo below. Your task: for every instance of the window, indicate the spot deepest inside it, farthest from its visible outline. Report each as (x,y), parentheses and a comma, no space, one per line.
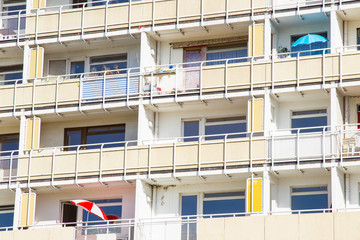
(79,3)
(227,202)
(95,135)
(108,62)
(217,126)
(188,208)
(9,74)
(77,67)
(307,198)
(57,67)
(8,143)
(191,128)
(6,216)
(306,119)
(13,6)
(102,2)
(69,214)
(226,52)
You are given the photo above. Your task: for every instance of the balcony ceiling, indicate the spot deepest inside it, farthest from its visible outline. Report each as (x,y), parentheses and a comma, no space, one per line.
(350,14)
(302,20)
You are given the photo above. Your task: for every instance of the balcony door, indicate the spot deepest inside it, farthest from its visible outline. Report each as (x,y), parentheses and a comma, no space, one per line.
(192,71)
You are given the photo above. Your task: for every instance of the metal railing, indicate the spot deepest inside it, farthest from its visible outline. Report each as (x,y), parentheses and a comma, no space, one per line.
(179,16)
(226,153)
(176,80)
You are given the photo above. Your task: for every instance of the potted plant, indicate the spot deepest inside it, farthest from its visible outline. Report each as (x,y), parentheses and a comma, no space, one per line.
(283,50)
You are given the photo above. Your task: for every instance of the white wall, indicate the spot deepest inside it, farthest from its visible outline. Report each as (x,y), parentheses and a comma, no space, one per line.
(48,204)
(352,33)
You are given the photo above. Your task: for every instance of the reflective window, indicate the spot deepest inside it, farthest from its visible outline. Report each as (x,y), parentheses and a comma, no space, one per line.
(108,62)
(102,2)
(188,208)
(95,135)
(306,119)
(228,202)
(191,128)
(307,198)
(222,126)
(6,216)
(8,74)
(226,52)
(8,143)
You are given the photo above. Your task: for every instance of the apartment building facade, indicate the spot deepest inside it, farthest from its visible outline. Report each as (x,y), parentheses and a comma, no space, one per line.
(180,119)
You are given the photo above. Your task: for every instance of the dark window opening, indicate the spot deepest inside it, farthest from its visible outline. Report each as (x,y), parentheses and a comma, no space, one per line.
(95,135)
(69,214)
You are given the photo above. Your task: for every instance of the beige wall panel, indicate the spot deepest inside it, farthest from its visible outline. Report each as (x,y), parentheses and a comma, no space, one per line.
(45,94)
(351,64)
(275,227)
(8,235)
(71,20)
(68,91)
(259,149)
(332,66)
(310,67)
(48,23)
(347,226)
(243,5)
(285,70)
(213,77)
(211,229)
(161,156)
(44,234)
(65,163)
(113,159)
(132,158)
(30,25)
(247,228)
(143,158)
(212,152)
(186,154)
(7,97)
(141,12)
(189,7)
(89,161)
(118,14)
(41,165)
(259,4)
(24,94)
(94,17)
(23,165)
(315,226)
(165,9)
(239,75)
(238,151)
(211,6)
(260,74)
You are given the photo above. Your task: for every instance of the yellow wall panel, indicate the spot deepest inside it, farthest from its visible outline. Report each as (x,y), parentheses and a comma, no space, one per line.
(258,43)
(256,202)
(36,62)
(258,116)
(27,209)
(32,133)
(38,4)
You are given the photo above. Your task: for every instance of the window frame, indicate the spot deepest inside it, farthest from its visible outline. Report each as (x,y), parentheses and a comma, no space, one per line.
(310,115)
(308,193)
(85,134)
(109,61)
(4,209)
(6,72)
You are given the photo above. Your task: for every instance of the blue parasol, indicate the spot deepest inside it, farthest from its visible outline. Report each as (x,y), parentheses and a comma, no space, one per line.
(309,39)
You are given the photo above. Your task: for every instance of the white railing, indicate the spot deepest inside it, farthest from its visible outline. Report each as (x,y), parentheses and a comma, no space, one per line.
(227,153)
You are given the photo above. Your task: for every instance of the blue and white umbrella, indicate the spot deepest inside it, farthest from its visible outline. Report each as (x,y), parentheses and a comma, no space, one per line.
(309,39)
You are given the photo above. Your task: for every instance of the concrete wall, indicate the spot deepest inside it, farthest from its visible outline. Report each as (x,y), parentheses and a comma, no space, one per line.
(40,234)
(328,226)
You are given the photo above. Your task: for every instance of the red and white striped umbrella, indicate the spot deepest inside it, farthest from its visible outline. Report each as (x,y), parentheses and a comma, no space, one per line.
(91,207)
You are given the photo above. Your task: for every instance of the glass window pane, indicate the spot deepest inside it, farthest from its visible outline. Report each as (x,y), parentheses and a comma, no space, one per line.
(225,129)
(224,206)
(226,54)
(191,129)
(304,202)
(73,138)
(309,122)
(6,219)
(106,138)
(110,2)
(10,77)
(309,189)
(189,205)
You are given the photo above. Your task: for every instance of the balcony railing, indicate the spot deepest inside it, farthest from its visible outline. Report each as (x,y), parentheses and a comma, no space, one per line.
(77,21)
(229,153)
(215,78)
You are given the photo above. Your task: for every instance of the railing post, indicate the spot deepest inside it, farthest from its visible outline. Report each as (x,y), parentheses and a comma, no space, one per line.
(18,32)
(226,78)
(128,87)
(57,94)
(77,164)
(14,99)
(59,23)
(272,150)
(129,19)
(106,17)
(10,170)
(125,156)
(153,15)
(272,73)
(83,20)
(323,145)
(174,157)
(36,25)
(53,167)
(199,154)
(298,147)
(340,68)
(323,68)
(149,160)
(80,90)
(104,91)
(201,80)
(298,70)
(176,81)
(252,71)
(225,154)
(251,147)
(100,162)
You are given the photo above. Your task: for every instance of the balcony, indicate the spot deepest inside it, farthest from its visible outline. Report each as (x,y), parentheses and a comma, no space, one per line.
(336,225)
